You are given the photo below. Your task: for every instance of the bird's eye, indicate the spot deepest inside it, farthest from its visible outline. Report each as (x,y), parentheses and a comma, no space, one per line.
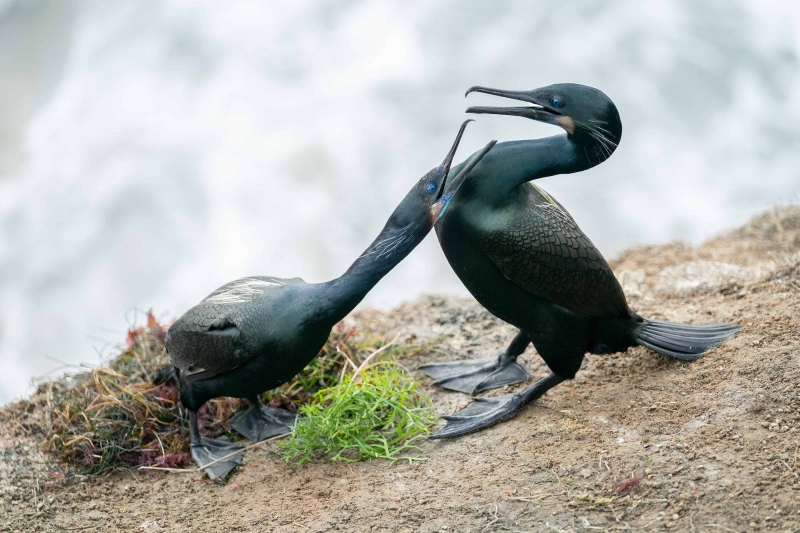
(431,188)
(557,102)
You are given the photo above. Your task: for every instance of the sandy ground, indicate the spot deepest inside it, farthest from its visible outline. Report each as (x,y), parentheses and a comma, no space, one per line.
(637,442)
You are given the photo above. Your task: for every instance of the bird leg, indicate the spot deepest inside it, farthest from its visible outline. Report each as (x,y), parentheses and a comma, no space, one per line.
(259,422)
(213,453)
(478,375)
(486,412)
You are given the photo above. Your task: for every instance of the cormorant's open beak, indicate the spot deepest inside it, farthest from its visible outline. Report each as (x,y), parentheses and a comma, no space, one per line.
(540,111)
(444,168)
(442,200)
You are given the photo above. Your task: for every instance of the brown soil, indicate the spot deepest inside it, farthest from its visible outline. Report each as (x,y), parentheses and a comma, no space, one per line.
(638,441)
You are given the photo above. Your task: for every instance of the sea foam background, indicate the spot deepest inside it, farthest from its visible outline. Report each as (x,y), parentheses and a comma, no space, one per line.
(153,150)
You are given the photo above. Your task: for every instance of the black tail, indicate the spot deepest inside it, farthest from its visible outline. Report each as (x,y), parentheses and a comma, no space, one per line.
(682,341)
(164,374)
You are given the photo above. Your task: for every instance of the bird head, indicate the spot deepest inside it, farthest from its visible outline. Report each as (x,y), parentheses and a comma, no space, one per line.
(428,195)
(585,113)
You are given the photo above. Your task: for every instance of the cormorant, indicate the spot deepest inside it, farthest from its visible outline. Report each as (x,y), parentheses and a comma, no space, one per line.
(255,333)
(524,258)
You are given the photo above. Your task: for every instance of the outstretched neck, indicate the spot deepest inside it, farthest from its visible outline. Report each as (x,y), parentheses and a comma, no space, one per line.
(516,162)
(559,154)
(340,296)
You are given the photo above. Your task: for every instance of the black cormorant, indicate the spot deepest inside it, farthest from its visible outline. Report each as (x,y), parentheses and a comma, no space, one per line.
(255,333)
(524,258)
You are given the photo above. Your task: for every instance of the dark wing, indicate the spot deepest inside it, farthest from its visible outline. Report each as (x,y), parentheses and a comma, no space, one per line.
(545,253)
(208,340)
(250,284)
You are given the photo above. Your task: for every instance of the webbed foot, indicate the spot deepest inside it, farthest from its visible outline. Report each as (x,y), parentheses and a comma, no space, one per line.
(486,412)
(476,375)
(259,422)
(217,454)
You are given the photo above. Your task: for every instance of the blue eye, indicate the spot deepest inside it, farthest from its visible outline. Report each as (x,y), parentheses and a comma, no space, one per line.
(557,102)
(431,188)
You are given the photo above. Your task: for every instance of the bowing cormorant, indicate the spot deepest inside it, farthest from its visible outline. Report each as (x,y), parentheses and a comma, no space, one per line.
(255,333)
(524,258)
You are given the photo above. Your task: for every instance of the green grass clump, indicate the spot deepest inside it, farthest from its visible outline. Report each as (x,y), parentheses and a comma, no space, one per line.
(377,411)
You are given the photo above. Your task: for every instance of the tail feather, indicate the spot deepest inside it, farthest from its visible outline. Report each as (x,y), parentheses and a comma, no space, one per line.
(693,327)
(702,335)
(676,355)
(164,374)
(682,341)
(692,341)
(679,344)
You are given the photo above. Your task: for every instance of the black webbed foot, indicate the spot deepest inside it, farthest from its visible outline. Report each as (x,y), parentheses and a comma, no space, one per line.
(486,412)
(259,422)
(476,375)
(480,414)
(215,452)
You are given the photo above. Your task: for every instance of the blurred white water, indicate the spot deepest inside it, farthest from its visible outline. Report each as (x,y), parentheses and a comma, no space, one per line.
(153,150)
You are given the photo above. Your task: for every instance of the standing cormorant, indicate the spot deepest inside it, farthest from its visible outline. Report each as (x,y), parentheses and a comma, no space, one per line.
(524,258)
(254,334)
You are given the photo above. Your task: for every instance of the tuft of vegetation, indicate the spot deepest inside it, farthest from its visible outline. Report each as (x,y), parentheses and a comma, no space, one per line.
(377,411)
(113,417)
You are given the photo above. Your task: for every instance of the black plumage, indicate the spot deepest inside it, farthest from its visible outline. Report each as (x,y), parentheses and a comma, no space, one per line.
(255,333)
(545,253)
(219,325)
(524,258)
